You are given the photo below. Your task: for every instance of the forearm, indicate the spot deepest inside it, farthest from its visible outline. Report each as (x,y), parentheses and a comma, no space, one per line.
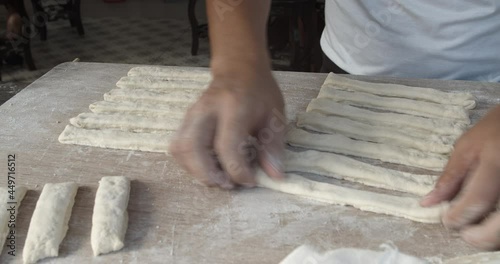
(238,35)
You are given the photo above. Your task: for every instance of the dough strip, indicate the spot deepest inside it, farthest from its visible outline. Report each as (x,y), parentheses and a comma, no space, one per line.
(343,145)
(345,168)
(407,207)
(465,100)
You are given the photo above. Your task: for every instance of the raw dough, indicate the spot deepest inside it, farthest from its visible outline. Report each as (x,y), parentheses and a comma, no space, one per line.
(5,201)
(407,207)
(201,74)
(343,145)
(404,138)
(399,105)
(341,167)
(124,122)
(116,139)
(173,109)
(307,255)
(110,217)
(137,95)
(465,100)
(328,106)
(49,222)
(151,82)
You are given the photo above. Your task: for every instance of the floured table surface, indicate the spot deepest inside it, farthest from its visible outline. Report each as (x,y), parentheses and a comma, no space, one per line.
(173,219)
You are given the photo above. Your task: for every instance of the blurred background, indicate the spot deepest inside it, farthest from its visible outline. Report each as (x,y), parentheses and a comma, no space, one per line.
(151,32)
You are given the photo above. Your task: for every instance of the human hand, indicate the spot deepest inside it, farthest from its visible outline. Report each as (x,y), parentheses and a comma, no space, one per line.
(213,142)
(472,180)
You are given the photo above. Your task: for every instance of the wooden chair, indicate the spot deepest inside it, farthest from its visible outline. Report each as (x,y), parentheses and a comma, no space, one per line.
(22,43)
(70,10)
(302,20)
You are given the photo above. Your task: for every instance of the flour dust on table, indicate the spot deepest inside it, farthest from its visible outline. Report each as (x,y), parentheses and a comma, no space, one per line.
(411,126)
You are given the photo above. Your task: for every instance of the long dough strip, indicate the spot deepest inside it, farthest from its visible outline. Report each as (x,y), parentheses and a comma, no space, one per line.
(123,122)
(151,82)
(380,134)
(343,145)
(116,139)
(49,222)
(171,72)
(399,105)
(134,95)
(5,212)
(328,106)
(345,168)
(110,217)
(465,100)
(407,207)
(140,107)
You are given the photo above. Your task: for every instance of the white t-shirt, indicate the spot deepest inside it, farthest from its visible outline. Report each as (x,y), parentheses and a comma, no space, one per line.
(444,39)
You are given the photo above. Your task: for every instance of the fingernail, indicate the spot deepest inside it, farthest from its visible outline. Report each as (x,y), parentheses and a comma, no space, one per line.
(428,199)
(276,163)
(248,184)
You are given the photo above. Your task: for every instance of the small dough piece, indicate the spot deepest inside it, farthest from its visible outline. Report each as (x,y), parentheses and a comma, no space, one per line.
(407,207)
(342,167)
(136,95)
(200,74)
(343,145)
(5,204)
(116,139)
(465,100)
(133,123)
(399,105)
(110,217)
(138,107)
(49,222)
(373,133)
(151,82)
(480,258)
(328,106)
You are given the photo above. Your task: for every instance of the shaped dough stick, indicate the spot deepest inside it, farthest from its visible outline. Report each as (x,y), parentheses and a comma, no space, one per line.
(343,145)
(465,100)
(329,107)
(110,218)
(407,207)
(49,222)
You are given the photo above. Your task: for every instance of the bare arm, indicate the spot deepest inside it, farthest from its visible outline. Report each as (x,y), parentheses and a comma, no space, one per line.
(238,35)
(242,102)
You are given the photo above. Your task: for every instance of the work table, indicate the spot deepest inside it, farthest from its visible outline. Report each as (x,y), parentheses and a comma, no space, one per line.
(172,219)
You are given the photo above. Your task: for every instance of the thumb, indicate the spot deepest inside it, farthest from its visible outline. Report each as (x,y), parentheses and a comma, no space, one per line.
(451,180)
(272,151)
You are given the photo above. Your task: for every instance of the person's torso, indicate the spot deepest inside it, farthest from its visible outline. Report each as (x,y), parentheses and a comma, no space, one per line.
(446,39)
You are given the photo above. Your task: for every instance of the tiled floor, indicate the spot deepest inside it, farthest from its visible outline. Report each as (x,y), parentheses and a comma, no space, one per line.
(116,40)
(135,31)
(155,32)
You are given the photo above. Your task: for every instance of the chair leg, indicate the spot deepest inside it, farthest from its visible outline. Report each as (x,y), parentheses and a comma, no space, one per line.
(308,34)
(41,25)
(195,30)
(28,57)
(77,17)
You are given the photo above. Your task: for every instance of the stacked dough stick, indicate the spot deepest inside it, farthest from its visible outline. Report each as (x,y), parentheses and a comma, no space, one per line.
(141,113)
(407,125)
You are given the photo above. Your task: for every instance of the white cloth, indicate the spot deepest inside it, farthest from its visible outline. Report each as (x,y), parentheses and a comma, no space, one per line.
(443,39)
(307,255)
